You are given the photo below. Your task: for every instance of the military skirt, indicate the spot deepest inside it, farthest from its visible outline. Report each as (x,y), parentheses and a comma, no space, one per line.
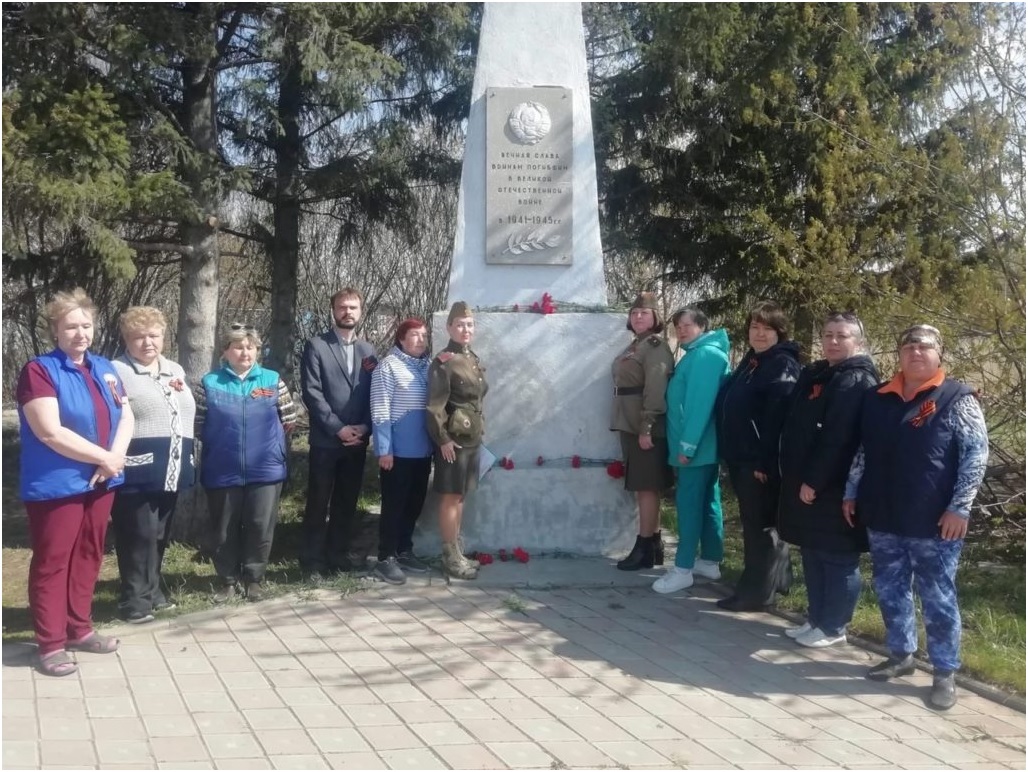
(645,470)
(460,477)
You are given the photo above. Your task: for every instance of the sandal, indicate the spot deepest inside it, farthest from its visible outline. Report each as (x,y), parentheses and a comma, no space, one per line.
(95,644)
(57,663)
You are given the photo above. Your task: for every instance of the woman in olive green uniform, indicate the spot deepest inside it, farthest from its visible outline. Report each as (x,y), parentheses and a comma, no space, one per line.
(456,386)
(641,375)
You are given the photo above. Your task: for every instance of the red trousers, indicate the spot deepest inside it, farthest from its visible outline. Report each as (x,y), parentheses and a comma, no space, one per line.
(67,551)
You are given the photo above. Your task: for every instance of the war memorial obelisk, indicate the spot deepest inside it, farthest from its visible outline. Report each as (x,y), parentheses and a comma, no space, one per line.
(527,224)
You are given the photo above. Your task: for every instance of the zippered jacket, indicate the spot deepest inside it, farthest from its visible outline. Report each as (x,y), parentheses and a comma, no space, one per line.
(691,395)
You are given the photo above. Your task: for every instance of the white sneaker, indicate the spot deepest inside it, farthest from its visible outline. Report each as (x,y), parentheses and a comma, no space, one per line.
(707,569)
(796,632)
(816,639)
(673,580)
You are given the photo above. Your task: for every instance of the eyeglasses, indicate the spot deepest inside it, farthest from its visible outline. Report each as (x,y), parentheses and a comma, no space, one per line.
(239,327)
(845,316)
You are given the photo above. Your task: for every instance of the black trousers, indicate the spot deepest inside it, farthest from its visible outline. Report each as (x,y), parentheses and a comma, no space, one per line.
(333,486)
(243,520)
(403,495)
(142,529)
(766,566)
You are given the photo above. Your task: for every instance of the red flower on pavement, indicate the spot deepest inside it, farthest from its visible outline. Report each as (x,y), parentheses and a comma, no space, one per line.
(616,469)
(484,558)
(539,461)
(520,555)
(502,554)
(576,462)
(507,462)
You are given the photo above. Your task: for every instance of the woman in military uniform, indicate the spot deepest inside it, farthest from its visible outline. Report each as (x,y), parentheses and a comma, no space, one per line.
(456,386)
(641,375)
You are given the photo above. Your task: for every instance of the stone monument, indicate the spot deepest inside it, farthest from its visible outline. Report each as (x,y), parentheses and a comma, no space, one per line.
(527,226)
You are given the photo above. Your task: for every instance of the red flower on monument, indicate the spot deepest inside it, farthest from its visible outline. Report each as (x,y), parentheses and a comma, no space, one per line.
(504,557)
(547,306)
(576,462)
(516,308)
(539,461)
(483,558)
(616,469)
(520,555)
(507,463)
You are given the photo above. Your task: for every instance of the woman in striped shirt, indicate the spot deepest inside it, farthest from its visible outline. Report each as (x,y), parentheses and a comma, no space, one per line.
(399,394)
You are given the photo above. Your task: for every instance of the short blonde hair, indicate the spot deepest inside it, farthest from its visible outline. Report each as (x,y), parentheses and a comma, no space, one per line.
(66,302)
(137,318)
(238,332)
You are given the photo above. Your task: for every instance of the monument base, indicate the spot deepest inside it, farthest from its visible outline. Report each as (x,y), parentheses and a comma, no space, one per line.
(550,397)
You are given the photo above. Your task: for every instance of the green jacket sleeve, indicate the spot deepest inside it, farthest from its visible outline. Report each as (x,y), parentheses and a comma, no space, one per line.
(438,396)
(657,366)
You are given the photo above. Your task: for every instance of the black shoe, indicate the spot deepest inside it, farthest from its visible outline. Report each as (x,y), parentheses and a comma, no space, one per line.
(138,617)
(893,667)
(658,549)
(410,563)
(254,591)
(944,691)
(389,570)
(225,593)
(641,555)
(735,603)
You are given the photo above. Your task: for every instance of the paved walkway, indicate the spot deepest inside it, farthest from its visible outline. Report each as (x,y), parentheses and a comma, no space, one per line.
(566,673)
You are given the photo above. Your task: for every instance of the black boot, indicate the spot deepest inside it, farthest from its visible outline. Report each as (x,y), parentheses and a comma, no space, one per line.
(658,549)
(641,555)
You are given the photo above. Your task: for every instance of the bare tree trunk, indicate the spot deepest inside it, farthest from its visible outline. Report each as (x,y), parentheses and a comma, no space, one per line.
(285,246)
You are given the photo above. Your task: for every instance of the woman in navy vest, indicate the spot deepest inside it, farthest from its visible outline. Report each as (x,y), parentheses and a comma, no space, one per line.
(243,413)
(818,443)
(75,428)
(924,447)
(750,408)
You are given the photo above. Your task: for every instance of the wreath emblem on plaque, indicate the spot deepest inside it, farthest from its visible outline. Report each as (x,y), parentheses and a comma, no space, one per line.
(529,122)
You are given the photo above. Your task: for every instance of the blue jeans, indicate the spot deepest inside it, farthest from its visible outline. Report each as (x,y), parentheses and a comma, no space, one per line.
(698,501)
(898,564)
(833,588)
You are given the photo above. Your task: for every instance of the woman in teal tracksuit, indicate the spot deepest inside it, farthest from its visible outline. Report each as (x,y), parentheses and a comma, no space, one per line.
(692,449)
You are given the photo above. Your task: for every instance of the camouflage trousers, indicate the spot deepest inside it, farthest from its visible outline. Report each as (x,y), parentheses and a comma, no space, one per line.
(898,565)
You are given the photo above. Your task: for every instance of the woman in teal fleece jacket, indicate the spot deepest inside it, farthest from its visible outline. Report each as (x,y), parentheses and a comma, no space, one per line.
(692,449)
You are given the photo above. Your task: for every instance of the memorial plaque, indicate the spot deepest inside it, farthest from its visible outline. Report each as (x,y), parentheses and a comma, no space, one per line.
(529,163)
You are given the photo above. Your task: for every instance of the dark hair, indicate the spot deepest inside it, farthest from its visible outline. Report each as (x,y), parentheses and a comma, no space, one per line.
(848,317)
(698,317)
(770,313)
(413,323)
(347,292)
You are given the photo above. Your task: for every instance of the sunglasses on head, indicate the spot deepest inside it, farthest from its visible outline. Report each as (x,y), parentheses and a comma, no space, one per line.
(846,316)
(239,327)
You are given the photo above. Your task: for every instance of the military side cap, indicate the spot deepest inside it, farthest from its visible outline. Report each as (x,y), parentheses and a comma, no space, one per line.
(458,310)
(645,300)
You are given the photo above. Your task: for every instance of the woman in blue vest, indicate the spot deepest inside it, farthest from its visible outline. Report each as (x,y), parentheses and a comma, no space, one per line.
(924,448)
(817,446)
(749,410)
(243,413)
(75,428)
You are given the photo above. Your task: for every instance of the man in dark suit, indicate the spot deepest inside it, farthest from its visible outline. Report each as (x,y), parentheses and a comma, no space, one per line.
(335,377)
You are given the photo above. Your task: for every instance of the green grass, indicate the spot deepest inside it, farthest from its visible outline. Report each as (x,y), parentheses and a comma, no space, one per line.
(992,598)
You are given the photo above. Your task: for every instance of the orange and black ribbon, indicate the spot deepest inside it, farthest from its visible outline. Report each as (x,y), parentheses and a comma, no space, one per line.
(815,391)
(927,408)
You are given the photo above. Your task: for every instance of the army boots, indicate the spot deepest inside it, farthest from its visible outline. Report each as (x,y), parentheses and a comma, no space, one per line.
(455,564)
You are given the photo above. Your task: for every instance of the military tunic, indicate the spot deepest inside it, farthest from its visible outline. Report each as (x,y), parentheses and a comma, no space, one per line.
(641,374)
(456,388)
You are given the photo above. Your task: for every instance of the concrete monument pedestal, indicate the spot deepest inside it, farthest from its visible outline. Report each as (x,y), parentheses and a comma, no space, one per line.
(528,186)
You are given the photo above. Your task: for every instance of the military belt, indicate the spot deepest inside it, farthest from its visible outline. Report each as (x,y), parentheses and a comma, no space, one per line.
(627,391)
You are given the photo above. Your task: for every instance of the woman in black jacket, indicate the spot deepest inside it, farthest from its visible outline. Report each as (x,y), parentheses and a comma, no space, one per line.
(818,442)
(750,409)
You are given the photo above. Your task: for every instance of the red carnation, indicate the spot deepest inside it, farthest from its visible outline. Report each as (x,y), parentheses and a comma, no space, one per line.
(539,461)
(507,463)
(576,462)
(547,306)
(616,469)
(503,555)
(536,308)
(484,558)
(516,308)
(521,555)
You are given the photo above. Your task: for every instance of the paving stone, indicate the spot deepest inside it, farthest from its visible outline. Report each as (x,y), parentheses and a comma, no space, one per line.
(233,746)
(65,687)
(168,749)
(417,758)
(844,753)
(793,753)
(577,754)
(389,738)
(51,706)
(521,755)
(517,707)
(170,726)
(220,723)
(128,728)
(736,751)
(243,763)
(946,751)
(469,757)
(656,728)
(472,709)
(209,702)
(546,729)
(448,688)
(687,754)
(256,698)
(21,754)
(338,740)
(158,704)
(120,752)
(298,761)
(50,728)
(367,760)
(488,730)
(632,753)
